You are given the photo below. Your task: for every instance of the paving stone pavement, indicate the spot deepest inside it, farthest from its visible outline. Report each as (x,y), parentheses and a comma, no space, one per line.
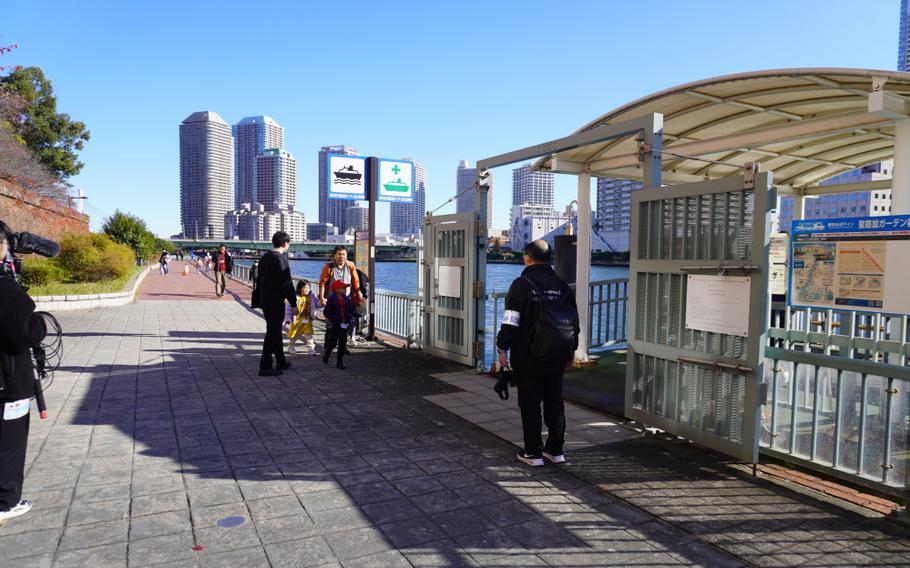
(161,433)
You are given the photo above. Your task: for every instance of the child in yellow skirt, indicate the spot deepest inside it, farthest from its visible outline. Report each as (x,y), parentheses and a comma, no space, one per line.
(302,326)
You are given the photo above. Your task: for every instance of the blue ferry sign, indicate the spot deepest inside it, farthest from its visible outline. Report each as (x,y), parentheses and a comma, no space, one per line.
(396,181)
(346,176)
(855,264)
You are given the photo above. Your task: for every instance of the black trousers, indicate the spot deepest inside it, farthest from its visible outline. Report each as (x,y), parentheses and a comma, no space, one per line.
(13,441)
(538,383)
(335,337)
(272,344)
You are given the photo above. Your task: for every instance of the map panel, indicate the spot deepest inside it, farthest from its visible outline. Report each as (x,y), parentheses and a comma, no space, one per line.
(813,273)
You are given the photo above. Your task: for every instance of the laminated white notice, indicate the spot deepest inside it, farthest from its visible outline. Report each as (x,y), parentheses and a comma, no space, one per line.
(15,410)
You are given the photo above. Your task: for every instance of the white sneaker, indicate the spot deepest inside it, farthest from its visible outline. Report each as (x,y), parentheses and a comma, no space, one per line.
(531,460)
(555,458)
(313,352)
(292,349)
(21,508)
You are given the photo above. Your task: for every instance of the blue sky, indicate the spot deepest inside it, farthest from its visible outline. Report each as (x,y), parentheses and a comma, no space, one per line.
(440,81)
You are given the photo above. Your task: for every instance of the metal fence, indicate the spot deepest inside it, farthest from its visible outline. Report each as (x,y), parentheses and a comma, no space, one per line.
(838,387)
(607,303)
(399,315)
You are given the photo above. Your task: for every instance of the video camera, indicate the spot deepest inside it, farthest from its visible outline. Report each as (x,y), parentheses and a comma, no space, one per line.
(26,243)
(48,355)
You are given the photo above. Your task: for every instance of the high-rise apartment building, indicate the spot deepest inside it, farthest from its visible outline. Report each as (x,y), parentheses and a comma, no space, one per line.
(357,218)
(276,179)
(614,203)
(903,40)
(465,176)
(332,210)
(532,188)
(206,175)
(252,136)
(407,218)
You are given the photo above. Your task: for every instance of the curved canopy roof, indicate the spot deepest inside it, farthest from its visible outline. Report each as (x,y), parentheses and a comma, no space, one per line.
(805,125)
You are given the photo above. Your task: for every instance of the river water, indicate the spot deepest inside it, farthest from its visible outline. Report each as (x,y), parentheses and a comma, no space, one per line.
(402,277)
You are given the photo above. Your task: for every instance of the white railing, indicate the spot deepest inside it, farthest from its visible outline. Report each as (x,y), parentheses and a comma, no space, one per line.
(399,315)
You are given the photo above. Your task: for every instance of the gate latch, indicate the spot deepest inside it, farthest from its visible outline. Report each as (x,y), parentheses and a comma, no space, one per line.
(749,171)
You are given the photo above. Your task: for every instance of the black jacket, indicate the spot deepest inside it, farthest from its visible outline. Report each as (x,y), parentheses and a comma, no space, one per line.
(273,280)
(513,337)
(228,262)
(20,329)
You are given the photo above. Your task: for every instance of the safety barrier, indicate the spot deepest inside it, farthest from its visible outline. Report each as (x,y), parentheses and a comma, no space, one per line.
(607,303)
(839,394)
(399,315)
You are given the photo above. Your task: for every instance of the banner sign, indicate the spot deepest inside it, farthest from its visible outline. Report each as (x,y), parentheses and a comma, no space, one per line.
(858,263)
(347,177)
(396,181)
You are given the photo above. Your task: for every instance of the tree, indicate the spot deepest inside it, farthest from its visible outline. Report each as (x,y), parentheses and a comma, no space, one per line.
(131,231)
(53,137)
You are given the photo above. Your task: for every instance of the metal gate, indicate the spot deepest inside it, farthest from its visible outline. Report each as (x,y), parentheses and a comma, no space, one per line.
(702,385)
(448,286)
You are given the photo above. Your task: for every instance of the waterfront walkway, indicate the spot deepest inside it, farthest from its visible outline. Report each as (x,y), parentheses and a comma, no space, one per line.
(165,447)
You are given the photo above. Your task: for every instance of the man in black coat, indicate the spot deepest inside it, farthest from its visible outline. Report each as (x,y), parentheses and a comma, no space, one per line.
(539,379)
(20,330)
(274,285)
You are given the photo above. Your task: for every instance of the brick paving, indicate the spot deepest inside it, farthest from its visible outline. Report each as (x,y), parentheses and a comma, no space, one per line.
(165,447)
(192,286)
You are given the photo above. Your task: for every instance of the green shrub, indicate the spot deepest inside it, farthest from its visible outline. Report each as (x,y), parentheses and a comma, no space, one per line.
(94,257)
(41,272)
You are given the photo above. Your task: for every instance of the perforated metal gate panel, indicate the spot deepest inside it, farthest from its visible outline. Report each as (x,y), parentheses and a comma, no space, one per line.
(701,385)
(449,305)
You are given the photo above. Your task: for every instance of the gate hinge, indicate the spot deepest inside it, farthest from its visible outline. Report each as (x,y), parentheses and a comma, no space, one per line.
(478,289)
(477,350)
(749,171)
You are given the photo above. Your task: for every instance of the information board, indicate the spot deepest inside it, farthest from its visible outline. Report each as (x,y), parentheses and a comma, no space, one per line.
(347,177)
(362,250)
(859,263)
(778,253)
(719,304)
(396,181)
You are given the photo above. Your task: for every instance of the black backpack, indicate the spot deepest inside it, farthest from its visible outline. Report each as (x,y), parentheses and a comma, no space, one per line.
(552,337)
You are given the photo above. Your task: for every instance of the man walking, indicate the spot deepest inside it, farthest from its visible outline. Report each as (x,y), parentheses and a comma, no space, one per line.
(540,332)
(274,285)
(224,265)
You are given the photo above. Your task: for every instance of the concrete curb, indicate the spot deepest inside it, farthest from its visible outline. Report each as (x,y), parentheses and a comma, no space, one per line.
(89,301)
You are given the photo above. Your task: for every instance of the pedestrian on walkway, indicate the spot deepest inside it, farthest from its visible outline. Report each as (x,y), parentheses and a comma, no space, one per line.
(208,261)
(163,261)
(339,269)
(540,333)
(274,286)
(361,312)
(20,330)
(301,327)
(224,265)
(338,311)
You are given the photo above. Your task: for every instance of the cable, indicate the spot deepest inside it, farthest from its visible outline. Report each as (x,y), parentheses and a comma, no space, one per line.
(696,158)
(453,198)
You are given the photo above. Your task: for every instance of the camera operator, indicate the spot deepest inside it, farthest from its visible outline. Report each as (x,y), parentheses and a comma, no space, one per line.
(20,330)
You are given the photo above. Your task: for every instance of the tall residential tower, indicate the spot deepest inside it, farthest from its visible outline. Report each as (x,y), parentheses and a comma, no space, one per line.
(407,218)
(465,176)
(532,188)
(206,174)
(252,136)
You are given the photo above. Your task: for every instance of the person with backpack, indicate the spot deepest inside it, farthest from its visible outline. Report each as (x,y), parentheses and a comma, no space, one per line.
(539,335)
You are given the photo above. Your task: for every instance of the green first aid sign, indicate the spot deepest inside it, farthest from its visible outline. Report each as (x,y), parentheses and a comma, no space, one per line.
(396,181)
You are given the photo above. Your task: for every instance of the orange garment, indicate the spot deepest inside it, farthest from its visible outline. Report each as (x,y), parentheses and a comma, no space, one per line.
(327,275)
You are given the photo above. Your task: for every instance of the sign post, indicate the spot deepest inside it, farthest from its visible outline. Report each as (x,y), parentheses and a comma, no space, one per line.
(373,170)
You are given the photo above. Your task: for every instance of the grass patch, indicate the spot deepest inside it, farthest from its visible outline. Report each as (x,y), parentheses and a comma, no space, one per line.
(79,288)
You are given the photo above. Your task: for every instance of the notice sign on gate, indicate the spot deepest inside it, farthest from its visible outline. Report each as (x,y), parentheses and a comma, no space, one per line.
(719,304)
(858,264)
(347,177)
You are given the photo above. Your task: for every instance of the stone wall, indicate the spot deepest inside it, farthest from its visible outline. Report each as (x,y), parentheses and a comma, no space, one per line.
(22,210)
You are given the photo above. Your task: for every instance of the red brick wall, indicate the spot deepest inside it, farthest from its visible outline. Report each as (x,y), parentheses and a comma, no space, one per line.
(22,210)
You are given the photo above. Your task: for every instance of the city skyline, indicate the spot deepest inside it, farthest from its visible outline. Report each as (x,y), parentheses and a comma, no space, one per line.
(449,110)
